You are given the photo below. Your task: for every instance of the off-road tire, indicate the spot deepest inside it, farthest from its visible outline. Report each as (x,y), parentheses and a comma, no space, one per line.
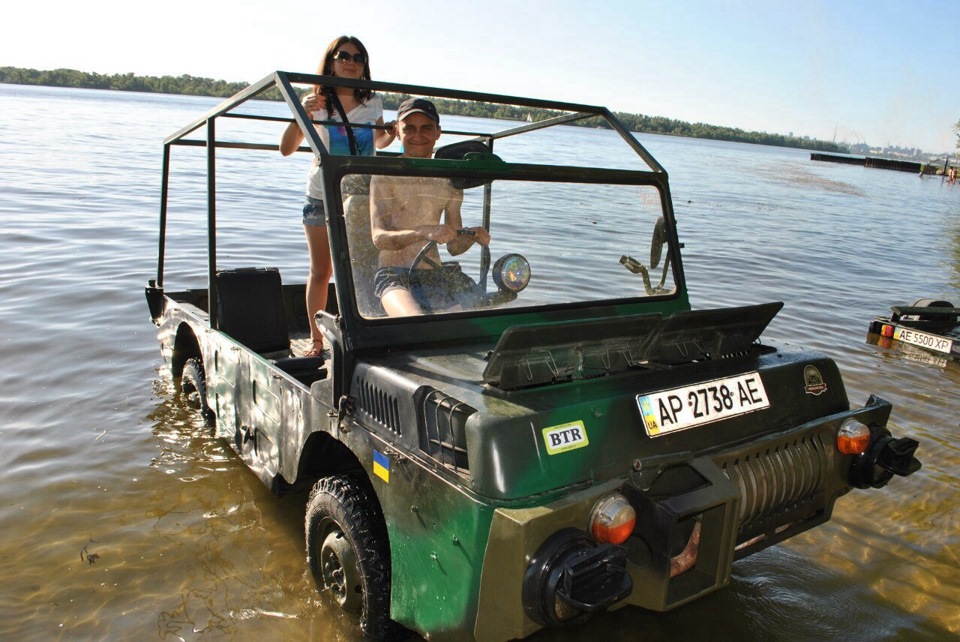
(346,506)
(193,389)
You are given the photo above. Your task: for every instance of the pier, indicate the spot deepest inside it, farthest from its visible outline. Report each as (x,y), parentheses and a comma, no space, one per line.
(881,163)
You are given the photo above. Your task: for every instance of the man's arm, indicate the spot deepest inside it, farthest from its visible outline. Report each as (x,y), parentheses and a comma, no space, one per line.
(453,218)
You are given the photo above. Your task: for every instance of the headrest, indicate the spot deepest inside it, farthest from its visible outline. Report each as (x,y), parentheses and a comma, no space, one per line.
(465,150)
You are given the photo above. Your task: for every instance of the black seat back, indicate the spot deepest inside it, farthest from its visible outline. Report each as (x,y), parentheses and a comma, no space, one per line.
(251,310)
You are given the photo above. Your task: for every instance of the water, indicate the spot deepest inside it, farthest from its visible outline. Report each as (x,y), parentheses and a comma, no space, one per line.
(99,462)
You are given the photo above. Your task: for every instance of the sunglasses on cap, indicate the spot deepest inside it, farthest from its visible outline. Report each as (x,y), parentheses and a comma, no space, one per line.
(346,56)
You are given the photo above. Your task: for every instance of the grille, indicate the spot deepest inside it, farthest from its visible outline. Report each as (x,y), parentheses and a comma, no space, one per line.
(776,478)
(379,406)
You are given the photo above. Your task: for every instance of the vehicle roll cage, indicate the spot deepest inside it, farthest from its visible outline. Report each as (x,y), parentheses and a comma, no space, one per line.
(338,166)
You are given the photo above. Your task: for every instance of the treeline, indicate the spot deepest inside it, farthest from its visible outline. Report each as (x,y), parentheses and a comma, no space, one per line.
(195,86)
(189,85)
(662,125)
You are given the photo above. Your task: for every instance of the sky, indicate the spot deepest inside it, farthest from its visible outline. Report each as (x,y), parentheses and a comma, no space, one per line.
(881,72)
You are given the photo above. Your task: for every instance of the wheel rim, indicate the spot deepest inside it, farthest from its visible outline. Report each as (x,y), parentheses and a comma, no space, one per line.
(191,395)
(338,568)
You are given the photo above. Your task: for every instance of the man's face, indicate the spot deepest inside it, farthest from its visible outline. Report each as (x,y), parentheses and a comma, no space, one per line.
(418,134)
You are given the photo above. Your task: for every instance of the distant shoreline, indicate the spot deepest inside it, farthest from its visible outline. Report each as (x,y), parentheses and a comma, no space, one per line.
(195,86)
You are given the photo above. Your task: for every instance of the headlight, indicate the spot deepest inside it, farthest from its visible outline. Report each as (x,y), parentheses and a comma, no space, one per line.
(511,272)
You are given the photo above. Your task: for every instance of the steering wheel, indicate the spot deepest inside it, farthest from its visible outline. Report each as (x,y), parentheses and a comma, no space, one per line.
(423,258)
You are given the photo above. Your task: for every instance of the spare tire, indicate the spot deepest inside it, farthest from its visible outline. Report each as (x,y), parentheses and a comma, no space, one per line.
(939,320)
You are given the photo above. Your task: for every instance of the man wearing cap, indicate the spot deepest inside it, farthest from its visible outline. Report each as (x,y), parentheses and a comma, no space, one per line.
(405,215)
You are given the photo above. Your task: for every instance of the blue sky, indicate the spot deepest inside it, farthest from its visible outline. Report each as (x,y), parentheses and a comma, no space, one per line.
(861,71)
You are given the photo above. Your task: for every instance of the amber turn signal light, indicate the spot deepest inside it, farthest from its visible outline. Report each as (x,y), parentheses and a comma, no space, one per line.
(853,438)
(612,519)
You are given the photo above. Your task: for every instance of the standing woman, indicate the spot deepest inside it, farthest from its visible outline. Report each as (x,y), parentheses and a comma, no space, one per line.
(346,57)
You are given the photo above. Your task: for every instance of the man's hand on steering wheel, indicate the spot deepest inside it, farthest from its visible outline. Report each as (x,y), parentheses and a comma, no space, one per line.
(438,233)
(479,234)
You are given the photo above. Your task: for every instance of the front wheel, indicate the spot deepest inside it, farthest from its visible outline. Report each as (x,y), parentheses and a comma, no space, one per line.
(193,389)
(348,552)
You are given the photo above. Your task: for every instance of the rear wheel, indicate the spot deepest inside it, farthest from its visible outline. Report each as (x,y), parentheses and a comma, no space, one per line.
(193,389)
(348,552)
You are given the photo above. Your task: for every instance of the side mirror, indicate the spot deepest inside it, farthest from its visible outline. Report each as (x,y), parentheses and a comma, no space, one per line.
(657,242)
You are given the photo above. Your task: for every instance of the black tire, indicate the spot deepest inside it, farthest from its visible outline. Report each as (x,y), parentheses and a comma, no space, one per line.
(348,551)
(935,303)
(193,389)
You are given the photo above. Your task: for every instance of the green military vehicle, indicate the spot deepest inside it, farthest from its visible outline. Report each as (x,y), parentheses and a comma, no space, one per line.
(573,439)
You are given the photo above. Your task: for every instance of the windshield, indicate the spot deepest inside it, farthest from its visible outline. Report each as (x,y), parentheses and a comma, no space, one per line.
(548,243)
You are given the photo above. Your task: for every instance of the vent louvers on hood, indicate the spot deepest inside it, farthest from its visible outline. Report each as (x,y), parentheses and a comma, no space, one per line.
(546,353)
(379,406)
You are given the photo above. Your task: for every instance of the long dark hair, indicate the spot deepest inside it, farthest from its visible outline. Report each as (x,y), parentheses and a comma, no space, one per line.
(325,68)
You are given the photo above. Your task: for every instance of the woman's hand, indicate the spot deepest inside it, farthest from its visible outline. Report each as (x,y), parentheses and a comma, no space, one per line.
(314,102)
(383,137)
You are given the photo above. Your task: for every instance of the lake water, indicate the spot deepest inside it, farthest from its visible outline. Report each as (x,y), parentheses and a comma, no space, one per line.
(123,520)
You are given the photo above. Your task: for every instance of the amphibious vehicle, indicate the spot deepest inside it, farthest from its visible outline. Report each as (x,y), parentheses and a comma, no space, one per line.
(576,439)
(928,326)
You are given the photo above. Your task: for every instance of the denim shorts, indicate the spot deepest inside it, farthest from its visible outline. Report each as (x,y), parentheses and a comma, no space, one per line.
(431,289)
(313,213)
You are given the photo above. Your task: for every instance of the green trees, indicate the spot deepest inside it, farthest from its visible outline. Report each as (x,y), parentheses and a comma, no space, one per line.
(194,86)
(185,84)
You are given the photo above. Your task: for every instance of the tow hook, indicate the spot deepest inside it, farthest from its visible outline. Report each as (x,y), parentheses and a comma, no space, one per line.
(571,576)
(897,456)
(885,458)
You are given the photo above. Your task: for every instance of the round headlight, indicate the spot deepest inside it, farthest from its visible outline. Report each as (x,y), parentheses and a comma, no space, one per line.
(511,272)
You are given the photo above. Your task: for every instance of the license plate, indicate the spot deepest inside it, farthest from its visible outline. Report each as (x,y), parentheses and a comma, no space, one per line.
(702,403)
(922,339)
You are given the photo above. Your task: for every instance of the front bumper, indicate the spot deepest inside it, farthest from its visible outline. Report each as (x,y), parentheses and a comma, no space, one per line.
(695,516)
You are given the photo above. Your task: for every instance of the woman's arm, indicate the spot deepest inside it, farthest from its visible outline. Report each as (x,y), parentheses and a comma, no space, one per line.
(291,139)
(293,135)
(383,137)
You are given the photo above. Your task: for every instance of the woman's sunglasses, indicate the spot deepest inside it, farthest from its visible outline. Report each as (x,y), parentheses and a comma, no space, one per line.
(346,56)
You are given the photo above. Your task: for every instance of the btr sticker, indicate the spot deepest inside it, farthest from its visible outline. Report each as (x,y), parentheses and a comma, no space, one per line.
(560,439)
(813,381)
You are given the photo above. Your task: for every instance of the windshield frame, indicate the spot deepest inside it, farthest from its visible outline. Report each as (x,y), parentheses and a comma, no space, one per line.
(484,324)
(397,332)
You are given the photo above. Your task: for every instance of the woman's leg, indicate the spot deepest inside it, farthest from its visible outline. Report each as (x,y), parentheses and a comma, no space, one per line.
(321,270)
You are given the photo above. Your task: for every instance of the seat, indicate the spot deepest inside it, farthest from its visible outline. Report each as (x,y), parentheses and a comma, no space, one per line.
(250,309)
(466,150)
(364,255)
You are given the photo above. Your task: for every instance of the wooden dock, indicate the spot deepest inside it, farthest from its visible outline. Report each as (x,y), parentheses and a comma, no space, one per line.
(880,163)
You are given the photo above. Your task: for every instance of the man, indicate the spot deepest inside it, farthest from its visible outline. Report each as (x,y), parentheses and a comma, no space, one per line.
(405,215)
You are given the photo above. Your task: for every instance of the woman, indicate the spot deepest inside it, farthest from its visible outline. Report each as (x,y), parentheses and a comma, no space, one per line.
(346,57)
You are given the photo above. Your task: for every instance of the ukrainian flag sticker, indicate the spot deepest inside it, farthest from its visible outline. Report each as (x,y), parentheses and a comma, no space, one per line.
(381,466)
